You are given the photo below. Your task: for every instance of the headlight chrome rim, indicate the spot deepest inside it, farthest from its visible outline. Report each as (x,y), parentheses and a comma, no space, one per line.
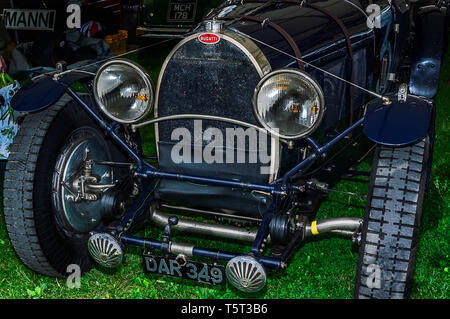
(142,73)
(319,92)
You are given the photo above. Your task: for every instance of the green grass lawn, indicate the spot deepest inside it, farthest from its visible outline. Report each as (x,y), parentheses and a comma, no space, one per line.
(320,268)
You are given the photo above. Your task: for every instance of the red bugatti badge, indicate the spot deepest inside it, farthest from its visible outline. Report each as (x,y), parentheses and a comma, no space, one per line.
(208,38)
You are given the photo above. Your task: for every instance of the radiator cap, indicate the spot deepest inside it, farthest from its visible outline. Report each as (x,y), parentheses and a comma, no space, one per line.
(213,25)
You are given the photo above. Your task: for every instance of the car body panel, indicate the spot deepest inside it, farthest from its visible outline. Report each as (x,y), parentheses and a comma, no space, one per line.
(44,90)
(399,123)
(428,50)
(313,32)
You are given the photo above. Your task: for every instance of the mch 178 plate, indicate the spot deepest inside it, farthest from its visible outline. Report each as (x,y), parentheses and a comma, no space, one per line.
(201,272)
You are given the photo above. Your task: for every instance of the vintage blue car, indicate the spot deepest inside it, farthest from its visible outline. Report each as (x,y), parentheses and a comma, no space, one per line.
(258,112)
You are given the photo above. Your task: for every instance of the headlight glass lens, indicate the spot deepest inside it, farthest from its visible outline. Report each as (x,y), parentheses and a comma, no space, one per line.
(123,91)
(289,104)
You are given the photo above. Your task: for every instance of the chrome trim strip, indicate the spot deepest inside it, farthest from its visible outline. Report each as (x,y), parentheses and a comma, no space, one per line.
(181,248)
(210,213)
(199,117)
(215,230)
(333,225)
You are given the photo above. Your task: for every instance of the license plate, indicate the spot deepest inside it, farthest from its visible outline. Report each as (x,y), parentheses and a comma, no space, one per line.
(181,11)
(201,272)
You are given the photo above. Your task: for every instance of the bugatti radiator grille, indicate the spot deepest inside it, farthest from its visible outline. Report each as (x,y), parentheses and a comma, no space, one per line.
(214,80)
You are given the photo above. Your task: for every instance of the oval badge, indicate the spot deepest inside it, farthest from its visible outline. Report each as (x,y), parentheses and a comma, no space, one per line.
(209,38)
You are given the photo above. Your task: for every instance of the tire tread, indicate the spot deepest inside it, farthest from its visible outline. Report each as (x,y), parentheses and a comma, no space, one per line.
(18,189)
(392,220)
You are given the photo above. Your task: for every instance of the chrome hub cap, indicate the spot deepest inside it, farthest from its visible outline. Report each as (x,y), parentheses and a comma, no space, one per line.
(105,250)
(76,169)
(246,274)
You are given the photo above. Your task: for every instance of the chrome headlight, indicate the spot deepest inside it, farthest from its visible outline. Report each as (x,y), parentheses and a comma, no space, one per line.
(289,103)
(124,91)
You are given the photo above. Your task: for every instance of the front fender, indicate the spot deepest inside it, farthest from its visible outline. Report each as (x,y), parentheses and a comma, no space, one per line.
(429,47)
(44,90)
(399,123)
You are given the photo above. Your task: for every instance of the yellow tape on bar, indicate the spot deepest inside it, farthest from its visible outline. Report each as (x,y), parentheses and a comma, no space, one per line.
(314,228)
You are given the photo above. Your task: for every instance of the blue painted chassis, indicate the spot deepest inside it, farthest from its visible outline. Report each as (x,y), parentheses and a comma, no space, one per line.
(41,92)
(148,173)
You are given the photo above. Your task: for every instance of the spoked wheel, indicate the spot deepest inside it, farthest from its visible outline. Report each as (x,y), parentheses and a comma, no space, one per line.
(53,187)
(391,222)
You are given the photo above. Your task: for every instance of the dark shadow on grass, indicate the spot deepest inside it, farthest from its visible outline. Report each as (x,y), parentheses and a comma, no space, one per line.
(322,237)
(189,284)
(107,271)
(344,204)
(433,208)
(432,211)
(362,180)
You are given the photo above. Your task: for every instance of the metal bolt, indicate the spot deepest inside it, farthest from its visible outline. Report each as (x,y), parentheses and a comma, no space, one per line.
(291,145)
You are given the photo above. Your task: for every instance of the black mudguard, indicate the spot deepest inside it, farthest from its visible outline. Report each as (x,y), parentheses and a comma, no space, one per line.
(429,47)
(44,90)
(399,123)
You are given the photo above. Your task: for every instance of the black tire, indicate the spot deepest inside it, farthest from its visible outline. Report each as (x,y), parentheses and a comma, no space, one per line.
(391,221)
(31,220)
